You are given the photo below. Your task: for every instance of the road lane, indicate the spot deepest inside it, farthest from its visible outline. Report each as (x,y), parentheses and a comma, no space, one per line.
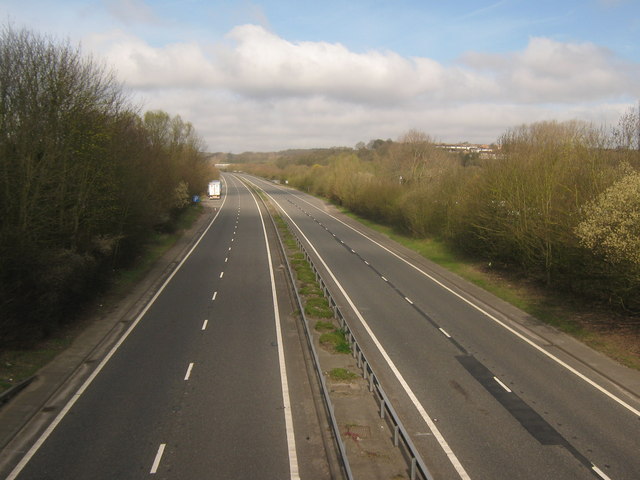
(552,423)
(195,390)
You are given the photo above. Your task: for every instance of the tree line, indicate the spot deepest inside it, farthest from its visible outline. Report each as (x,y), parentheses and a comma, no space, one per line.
(84,180)
(558,202)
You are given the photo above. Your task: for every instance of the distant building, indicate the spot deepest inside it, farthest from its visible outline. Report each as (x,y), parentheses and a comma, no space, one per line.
(485,151)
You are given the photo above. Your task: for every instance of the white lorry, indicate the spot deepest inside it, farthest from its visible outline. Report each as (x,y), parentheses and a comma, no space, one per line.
(213,190)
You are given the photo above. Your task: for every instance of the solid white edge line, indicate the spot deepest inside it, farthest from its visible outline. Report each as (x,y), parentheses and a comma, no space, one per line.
(288,416)
(600,472)
(204,324)
(156,461)
(421,410)
(36,446)
(549,355)
(188,374)
(502,384)
(444,332)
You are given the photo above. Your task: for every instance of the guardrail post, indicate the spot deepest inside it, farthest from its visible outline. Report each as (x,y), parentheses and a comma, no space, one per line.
(395,435)
(382,405)
(413,468)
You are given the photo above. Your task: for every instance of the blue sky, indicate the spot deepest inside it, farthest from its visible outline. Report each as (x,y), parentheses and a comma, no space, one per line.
(269,75)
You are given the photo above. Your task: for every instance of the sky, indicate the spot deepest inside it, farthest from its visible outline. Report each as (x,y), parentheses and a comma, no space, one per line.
(274,75)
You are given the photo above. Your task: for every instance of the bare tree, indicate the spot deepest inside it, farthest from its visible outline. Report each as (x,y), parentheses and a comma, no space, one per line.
(77,164)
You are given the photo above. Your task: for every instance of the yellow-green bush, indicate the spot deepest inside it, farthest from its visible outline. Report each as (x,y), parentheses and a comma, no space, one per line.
(520,209)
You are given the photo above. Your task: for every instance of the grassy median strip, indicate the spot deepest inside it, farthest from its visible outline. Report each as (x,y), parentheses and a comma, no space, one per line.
(336,341)
(315,304)
(342,375)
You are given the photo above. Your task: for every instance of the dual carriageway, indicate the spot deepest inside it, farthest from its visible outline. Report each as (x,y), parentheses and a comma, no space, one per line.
(210,380)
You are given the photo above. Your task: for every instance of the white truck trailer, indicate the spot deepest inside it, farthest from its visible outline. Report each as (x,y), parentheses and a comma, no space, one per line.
(213,190)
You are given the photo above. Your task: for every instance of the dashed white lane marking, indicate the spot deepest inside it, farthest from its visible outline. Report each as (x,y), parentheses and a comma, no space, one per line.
(204,324)
(366,263)
(229,248)
(215,294)
(408,300)
(600,473)
(52,426)
(156,461)
(188,374)
(221,274)
(502,384)
(226,260)
(445,333)
(521,336)
(383,278)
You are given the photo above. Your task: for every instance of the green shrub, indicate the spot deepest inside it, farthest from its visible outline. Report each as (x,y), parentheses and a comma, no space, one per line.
(336,340)
(318,307)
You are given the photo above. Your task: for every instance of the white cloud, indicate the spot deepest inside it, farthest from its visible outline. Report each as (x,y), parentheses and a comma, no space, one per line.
(262,64)
(258,91)
(550,71)
(142,66)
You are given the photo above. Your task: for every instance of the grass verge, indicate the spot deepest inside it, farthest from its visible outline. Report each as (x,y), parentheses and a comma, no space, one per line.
(336,341)
(318,307)
(322,326)
(342,375)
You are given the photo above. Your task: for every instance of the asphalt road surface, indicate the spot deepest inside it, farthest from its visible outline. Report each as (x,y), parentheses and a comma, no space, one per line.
(484,391)
(210,381)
